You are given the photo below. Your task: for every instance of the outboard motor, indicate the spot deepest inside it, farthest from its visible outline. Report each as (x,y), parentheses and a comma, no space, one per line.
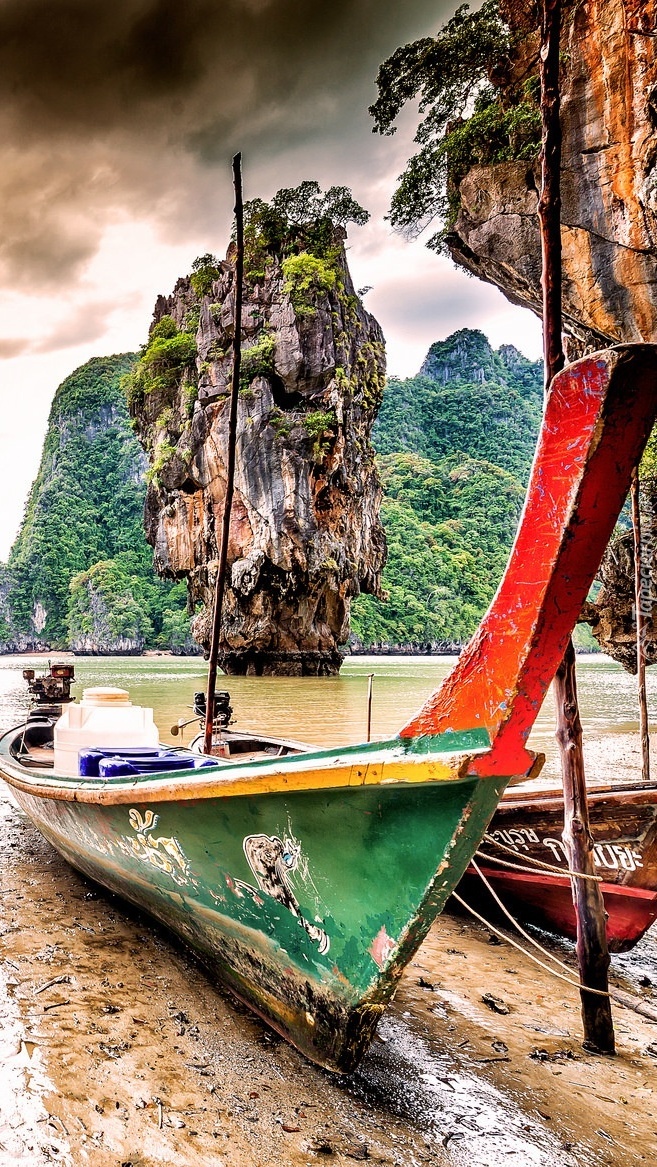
(53,687)
(223,710)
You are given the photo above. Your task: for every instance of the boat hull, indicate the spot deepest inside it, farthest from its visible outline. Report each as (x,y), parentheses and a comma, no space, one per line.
(307,904)
(547,901)
(624,829)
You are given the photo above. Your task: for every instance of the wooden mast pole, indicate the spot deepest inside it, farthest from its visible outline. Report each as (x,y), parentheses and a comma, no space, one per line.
(220,582)
(549,204)
(640,630)
(370,682)
(592,952)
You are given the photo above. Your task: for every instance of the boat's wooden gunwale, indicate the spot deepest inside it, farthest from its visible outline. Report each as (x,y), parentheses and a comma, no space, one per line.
(442,759)
(546,900)
(615,793)
(624,829)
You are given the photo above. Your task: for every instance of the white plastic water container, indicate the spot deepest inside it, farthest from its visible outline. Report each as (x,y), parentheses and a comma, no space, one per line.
(105,717)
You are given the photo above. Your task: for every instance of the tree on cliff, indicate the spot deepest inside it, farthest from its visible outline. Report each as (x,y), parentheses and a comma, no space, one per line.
(297,219)
(465,119)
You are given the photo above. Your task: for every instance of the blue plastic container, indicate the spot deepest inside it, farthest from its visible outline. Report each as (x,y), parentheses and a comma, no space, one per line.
(105,762)
(116,766)
(89,760)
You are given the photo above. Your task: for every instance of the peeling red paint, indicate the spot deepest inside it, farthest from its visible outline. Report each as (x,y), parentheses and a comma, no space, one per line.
(382,947)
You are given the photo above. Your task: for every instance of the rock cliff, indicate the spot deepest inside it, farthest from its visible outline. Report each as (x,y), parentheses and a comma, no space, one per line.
(609,178)
(305,534)
(609,221)
(612,615)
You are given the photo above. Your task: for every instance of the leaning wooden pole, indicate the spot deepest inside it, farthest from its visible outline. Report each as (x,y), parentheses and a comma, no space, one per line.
(220,582)
(592,952)
(640,601)
(549,203)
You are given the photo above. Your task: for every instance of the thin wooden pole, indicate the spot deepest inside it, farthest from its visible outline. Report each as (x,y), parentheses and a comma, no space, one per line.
(592,952)
(640,629)
(549,203)
(230,461)
(370,682)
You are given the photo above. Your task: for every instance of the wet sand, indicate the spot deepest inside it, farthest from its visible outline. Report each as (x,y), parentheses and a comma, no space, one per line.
(117,1050)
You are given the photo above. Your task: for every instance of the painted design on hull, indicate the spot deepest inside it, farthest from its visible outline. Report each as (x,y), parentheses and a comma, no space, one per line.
(165,854)
(272,860)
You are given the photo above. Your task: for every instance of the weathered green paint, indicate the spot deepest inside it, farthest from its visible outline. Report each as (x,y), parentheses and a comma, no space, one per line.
(375,866)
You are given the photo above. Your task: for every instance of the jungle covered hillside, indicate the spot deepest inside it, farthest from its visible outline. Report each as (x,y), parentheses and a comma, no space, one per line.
(455,446)
(80,573)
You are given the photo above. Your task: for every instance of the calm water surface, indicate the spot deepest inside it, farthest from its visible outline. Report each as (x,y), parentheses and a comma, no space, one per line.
(330,710)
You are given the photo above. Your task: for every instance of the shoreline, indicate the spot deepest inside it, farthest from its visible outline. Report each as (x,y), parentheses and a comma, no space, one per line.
(117,1048)
(68,654)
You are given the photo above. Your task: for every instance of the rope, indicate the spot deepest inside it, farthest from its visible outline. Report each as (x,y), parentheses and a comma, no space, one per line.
(557,871)
(540,863)
(514,943)
(517,925)
(637,1004)
(509,940)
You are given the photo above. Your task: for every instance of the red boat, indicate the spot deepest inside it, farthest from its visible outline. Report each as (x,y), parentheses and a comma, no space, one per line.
(527,826)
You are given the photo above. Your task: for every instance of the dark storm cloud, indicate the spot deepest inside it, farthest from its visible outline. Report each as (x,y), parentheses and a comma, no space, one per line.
(124,106)
(71,64)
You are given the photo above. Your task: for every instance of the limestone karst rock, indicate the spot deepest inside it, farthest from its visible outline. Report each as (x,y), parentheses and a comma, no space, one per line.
(609,178)
(612,615)
(305,534)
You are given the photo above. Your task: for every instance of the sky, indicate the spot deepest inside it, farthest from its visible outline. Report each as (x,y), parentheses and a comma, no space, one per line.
(118,121)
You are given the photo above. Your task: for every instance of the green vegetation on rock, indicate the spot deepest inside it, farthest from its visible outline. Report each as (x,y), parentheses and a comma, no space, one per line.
(306,276)
(80,565)
(299,221)
(108,604)
(205,270)
(161,361)
(464,121)
(258,359)
(466,399)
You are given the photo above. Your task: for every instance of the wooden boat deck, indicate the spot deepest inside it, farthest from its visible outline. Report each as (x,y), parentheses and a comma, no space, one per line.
(38,756)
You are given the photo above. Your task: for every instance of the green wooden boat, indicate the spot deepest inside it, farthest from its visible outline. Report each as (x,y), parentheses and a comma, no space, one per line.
(306,882)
